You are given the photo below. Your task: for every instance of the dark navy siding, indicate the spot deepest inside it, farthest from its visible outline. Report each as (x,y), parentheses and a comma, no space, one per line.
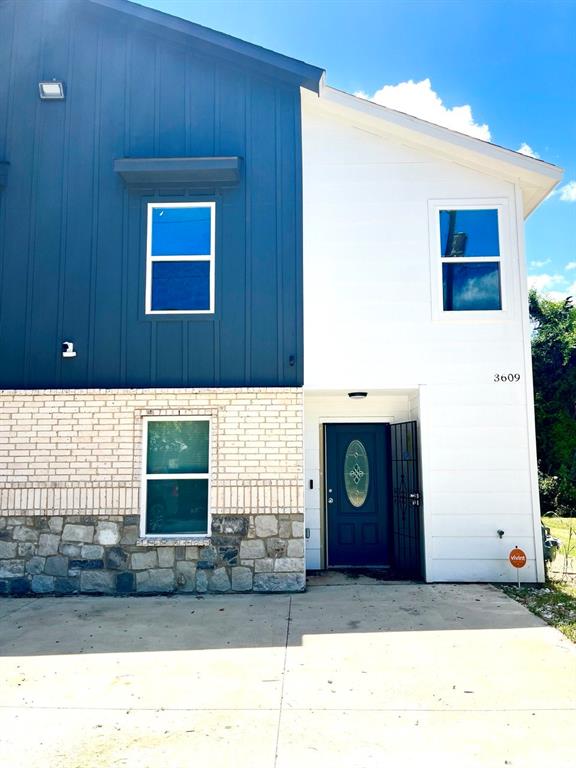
(72,234)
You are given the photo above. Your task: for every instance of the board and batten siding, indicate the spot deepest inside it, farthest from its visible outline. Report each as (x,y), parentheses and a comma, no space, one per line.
(368,278)
(72,235)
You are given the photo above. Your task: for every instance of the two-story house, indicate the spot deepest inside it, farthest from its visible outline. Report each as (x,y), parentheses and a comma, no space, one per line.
(249,324)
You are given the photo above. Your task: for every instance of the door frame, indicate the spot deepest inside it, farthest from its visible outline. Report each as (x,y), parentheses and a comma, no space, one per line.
(322,422)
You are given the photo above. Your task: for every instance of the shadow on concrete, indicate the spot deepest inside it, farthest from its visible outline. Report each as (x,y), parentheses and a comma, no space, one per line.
(92,625)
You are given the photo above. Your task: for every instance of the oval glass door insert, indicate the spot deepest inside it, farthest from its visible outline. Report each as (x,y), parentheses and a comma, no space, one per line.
(356,473)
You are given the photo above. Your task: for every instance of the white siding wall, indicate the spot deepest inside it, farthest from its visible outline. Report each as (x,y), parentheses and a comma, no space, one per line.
(370,324)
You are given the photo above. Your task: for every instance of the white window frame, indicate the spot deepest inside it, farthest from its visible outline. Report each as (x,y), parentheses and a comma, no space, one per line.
(150,259)
(436,259)
(145,476)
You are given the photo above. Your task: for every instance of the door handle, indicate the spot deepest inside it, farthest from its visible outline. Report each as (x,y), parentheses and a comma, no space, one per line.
(330,501)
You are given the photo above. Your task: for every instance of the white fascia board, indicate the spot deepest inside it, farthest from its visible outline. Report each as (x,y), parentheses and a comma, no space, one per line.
(536,178)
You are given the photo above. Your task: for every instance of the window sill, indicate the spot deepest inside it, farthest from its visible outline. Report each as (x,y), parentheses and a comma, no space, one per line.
(470,316)
(174,541)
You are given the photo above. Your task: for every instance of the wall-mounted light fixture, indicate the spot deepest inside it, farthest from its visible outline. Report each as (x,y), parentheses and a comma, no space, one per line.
(51,89)
(357,395)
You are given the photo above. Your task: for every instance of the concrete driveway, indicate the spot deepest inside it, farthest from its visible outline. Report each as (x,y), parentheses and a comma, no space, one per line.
(365,674)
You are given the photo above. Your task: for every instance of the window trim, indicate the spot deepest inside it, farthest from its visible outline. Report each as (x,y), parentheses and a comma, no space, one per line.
(437,260)
(210,258)
(177,475)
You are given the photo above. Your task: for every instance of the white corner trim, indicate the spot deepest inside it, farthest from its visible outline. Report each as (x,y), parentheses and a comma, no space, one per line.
(529,392)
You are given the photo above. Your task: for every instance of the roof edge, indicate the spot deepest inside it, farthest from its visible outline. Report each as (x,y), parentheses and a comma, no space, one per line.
(404,119)
(306,75)
(536,177)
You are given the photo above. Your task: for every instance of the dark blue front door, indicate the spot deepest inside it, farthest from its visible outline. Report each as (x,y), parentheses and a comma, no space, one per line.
(358,494)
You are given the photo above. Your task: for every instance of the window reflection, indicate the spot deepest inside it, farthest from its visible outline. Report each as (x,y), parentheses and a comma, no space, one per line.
(469,233)
(180,285)
(471,286)
(181,231)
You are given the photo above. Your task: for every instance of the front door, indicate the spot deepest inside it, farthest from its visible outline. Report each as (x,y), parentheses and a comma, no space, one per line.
(358,494)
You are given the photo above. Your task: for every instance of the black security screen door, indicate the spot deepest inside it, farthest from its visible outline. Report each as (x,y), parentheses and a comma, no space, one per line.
(358,494)
(406,502)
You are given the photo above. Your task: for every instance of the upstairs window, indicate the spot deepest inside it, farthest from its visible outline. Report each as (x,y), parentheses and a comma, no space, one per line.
(180,258)
(470,257)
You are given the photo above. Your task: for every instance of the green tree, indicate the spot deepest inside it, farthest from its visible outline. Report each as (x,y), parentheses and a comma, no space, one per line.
(554,364)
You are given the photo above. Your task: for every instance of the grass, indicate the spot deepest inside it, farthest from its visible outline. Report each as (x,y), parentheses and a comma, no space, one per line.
(555,602)
(560,528)
(563,568)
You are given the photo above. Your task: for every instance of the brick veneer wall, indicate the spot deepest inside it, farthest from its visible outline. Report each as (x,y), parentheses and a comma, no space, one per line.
(70,469)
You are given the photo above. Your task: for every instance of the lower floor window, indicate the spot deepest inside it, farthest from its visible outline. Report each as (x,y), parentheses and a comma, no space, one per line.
(176,476)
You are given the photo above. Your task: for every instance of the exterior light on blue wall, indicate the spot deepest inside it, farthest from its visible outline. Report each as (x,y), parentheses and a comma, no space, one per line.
(357,395)
(53,89)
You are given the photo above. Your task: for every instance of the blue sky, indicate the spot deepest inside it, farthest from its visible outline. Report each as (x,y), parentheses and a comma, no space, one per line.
(512,62)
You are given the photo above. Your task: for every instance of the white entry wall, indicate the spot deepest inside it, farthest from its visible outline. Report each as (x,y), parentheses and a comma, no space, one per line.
(373,321)
(475,462)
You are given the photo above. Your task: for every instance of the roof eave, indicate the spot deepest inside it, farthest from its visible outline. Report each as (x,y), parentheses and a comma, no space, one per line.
(536,178)
(298,72)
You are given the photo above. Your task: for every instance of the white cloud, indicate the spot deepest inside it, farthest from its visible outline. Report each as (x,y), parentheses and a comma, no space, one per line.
(479,290)
(570,265)
(420,100)
(526,149)
(568,192)
(561,295)
(550,286)
(538,264)
(544,283)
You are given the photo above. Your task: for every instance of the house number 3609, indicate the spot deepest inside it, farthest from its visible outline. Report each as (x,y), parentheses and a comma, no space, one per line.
(506,377)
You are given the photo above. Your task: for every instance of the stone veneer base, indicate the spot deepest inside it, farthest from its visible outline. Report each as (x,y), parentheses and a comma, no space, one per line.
(103,554)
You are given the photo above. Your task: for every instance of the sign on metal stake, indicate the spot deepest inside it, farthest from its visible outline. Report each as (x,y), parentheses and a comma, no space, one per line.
(517,559)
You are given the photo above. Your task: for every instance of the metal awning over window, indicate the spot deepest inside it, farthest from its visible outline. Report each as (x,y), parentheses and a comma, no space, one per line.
(193,171)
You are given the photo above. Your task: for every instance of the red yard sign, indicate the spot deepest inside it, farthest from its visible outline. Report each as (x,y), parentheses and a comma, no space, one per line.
(517,558)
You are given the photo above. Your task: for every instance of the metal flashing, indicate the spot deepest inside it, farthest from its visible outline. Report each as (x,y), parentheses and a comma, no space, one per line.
(218,171)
